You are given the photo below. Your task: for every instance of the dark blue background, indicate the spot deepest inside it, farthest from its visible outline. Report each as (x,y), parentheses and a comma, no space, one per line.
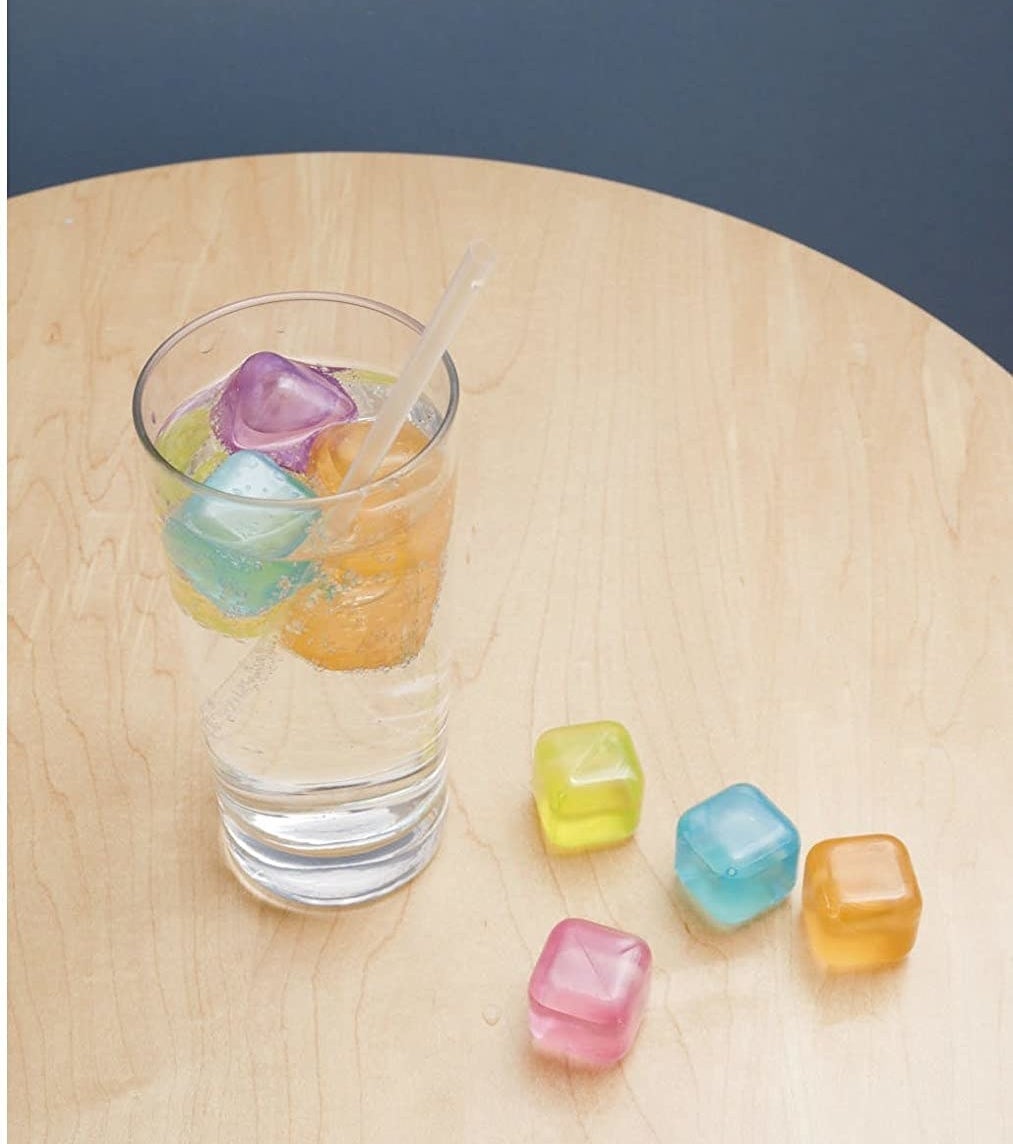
(878,131)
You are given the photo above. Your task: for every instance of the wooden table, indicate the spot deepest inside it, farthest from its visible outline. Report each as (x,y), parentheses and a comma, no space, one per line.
(713,485)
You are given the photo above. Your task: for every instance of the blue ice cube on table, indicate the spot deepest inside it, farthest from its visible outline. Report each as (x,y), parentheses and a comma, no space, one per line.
(231,551)
(736,854)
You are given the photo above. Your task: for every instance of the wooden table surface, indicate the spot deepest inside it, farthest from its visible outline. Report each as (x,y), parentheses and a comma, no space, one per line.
(713,485)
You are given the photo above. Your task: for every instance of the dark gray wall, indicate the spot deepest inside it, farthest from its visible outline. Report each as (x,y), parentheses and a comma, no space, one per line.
(878,131)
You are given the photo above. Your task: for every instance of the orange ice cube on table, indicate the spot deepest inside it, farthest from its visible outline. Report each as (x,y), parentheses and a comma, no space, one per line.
(861,901)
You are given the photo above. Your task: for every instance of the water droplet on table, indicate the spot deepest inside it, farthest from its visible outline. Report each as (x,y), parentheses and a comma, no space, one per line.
(491,1014)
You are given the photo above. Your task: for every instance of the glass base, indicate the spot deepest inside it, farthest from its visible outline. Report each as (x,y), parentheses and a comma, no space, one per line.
(323,858)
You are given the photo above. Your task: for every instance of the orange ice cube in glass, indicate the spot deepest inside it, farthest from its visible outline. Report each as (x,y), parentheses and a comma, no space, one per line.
(373,605)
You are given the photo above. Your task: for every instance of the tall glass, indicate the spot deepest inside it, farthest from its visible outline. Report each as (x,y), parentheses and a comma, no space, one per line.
(314,628)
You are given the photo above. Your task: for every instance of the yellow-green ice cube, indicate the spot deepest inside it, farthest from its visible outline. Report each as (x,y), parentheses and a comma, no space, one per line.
(588,785)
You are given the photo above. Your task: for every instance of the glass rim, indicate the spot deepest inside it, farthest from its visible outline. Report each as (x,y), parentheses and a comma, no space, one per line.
(300,504)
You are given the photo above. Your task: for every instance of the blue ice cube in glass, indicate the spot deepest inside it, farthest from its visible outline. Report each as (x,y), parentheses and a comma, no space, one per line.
(231,551)
(736,854)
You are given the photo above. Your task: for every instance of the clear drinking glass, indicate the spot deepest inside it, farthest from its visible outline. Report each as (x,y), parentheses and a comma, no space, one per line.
(320,663)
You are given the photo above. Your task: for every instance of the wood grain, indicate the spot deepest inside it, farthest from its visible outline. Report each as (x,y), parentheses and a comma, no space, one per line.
(713,485)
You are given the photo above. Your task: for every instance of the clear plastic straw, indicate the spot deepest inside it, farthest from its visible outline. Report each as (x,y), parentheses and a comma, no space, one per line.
(472,273)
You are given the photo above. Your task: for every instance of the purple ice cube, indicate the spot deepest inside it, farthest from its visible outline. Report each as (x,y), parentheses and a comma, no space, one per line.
(278,406)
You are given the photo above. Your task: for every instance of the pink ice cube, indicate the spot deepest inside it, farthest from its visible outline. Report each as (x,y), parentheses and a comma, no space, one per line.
(278,406)
(588,992)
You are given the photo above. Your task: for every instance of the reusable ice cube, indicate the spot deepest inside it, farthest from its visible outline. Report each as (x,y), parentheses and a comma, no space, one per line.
(372,604)
(588,992)
(189,445)
(334,450)
(200,608)
(861,901)
(736,854)
(277,406)
(588,785)
(231,551)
